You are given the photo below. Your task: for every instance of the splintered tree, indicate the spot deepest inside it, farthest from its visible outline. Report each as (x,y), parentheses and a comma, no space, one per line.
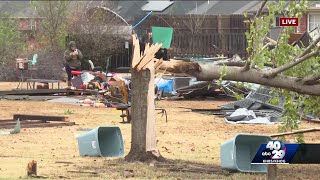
(296,72)
(143,140)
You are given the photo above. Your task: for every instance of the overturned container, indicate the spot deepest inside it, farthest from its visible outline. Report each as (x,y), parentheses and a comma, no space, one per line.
(103,141)
(237,153)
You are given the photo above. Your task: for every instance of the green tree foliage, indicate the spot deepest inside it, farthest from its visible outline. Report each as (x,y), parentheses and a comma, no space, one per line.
(284,53)
(54,23)
(11,43)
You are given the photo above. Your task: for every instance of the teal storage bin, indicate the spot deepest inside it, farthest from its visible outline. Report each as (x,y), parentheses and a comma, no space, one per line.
(237,153)
(105,141)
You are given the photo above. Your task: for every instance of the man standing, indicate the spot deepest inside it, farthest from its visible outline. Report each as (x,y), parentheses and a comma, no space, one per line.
(72,57)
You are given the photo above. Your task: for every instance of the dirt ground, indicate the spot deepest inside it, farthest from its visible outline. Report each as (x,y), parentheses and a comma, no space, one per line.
(189,138)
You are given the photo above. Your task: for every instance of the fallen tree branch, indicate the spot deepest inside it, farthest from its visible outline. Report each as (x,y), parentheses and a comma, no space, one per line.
(285,67)
(232,63)
(271,41)
(210,71)
(246,66)
(312,45)
(295,132)
(311,80)
(302,57)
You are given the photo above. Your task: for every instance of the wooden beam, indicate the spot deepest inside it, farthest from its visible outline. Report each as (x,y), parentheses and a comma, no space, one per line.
(33,92)
(13,122)
(23,117)
(39,125)
(46,92)
(295,132)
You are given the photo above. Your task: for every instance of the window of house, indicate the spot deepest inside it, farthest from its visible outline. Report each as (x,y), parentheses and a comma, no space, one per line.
(277,21)
(314,21)
(32,24)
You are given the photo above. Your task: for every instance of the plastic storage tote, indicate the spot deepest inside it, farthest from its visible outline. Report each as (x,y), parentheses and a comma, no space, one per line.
(105,141)
(237,153)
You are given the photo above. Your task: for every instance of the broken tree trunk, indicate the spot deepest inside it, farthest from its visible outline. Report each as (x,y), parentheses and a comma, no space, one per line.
(209,72)
(143,138)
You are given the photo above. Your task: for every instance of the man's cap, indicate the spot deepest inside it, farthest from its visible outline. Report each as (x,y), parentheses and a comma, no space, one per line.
(72,44)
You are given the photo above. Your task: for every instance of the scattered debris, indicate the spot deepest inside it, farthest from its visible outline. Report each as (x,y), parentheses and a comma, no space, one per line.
(39,117)
(40,92)
(32,121)
(63,162)
(85,172)
(16,129)
(65,100)
(163,112)
(245,116)
(199,89)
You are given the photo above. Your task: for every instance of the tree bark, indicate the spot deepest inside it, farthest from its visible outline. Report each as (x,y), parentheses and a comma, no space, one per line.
(143,116)
(209,72)
(143,130)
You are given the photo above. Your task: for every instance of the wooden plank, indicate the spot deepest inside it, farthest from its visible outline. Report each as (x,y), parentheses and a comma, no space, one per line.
(43,80)
(33,92)
(15,97)
(12,122)
(312,120)
(39,125)
(295,132)
(45,91)
(22,117)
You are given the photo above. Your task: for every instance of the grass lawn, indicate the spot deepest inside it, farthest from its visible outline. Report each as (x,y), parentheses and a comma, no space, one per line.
(192,140)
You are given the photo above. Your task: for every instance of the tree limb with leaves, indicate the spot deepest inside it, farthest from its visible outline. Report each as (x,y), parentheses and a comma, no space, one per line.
(295,74)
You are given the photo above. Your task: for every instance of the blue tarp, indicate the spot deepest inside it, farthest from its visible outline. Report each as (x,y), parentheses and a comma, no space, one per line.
(164,85)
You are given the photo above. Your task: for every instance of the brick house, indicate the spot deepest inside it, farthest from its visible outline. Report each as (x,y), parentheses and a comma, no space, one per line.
(27,20)
(308,22)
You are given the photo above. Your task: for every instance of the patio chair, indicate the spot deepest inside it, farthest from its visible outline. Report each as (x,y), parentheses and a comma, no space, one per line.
(31,67)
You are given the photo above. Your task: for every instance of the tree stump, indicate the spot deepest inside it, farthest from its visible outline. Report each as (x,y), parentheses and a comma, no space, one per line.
(32,168)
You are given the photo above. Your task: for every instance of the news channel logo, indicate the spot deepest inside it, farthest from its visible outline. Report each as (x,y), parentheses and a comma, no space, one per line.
(274,152)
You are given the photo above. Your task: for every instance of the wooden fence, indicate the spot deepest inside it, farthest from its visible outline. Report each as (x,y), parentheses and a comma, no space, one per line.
(194,36)
(203,35)
(209,44)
